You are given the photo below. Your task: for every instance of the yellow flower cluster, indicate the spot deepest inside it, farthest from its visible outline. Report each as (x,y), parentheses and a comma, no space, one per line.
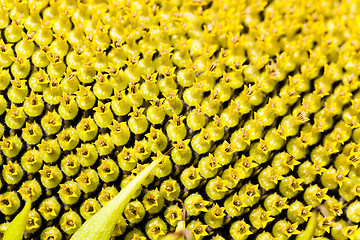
(259,100)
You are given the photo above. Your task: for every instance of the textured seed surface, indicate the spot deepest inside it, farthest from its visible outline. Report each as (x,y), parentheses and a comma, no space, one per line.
(259,99)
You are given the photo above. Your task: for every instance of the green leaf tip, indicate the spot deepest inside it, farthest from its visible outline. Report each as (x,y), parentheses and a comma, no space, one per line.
(16,229)
(101,225)
(309,231)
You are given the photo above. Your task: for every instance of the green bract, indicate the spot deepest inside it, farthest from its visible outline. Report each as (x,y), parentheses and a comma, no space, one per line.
(16,228)
(101,224)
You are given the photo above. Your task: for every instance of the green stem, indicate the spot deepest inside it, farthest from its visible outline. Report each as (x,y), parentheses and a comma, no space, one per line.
(308,234)
(181,233)
(101,225)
